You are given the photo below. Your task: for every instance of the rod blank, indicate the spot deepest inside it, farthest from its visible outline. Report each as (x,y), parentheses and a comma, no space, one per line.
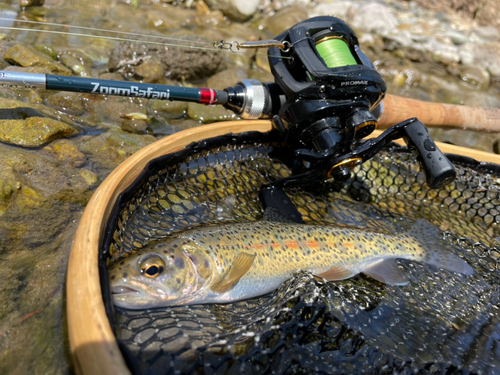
(110,87)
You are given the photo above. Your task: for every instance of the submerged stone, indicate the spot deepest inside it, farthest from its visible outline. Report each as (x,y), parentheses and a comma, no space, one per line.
(207,114)
(9,184)
(29,57)
(175,109)
(150,71)
(66,101)
(135,126)
(79,63)
(48,50)
(115,145)
(66,152)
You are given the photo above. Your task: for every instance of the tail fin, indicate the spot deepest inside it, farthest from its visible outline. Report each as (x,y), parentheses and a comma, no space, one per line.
(435,253)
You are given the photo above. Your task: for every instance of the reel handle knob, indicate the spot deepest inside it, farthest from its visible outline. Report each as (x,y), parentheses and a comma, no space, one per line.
(437,168)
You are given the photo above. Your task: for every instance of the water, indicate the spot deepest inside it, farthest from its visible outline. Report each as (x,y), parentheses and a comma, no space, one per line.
(44,190)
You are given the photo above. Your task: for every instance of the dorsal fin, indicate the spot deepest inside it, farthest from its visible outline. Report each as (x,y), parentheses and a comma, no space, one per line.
(240,267)
(336,273)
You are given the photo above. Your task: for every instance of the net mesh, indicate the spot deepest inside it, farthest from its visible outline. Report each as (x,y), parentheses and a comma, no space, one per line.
(440,323)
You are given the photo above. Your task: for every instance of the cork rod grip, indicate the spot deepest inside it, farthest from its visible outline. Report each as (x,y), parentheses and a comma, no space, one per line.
(397,109)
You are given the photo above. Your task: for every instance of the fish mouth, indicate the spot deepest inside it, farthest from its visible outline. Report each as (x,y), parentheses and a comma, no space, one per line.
(124,290)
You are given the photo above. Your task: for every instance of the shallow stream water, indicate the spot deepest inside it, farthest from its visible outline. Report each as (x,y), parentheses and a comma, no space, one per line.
(44,189)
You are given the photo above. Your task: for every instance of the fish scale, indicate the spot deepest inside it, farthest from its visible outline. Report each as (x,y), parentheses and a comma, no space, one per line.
(232,262)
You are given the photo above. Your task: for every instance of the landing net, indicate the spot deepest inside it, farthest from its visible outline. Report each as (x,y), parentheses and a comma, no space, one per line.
(440,323)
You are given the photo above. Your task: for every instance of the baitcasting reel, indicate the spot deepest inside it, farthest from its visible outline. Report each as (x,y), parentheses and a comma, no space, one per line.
(324,102)
(330,86)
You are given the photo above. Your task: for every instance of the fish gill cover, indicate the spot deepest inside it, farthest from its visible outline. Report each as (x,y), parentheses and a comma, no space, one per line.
(441,322)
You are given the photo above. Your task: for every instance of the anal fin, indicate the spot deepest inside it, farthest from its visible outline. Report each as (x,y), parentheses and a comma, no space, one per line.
(336,273)
(239,268)
(387,271)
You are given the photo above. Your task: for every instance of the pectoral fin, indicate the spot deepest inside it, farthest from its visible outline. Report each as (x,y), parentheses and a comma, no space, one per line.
(387,271)
(240,267)
(336,273)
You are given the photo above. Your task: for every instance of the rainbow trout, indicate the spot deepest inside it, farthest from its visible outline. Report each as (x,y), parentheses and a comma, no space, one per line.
(237,261)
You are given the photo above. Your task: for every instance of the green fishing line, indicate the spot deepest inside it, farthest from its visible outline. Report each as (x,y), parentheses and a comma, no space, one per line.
(335,53)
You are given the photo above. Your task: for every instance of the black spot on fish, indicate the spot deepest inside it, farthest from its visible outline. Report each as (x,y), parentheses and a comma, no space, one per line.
(179,263)
(125,275)
(113,277)
(178,280)
(122,263)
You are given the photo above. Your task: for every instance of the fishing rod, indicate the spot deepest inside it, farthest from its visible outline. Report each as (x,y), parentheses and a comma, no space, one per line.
(326,98)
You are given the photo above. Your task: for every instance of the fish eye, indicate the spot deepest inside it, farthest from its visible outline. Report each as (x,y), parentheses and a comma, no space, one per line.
(152,266)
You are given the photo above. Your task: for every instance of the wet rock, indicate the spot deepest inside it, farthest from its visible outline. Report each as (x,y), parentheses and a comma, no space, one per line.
(114,146)
(397,41)
(445,95)
(31,3)
(33,131)
(160,127)
(27,125)
(112,76)
(475,76)
(374,17)
(204,15)
(175,109)
(486,55)
(150,70)
(5,44)
(179,63)
(47,50)
(90,177)
(30,57)
(226,78)
(286,18)
(339,9)
(69,102)
(134,126)
(9,185)
(442,53)
(79,63)
(34,97)
(483,99)
(66,152)
(108,110)
(235,9)
(30,69)
(407,77)
(456,36)
(207,114)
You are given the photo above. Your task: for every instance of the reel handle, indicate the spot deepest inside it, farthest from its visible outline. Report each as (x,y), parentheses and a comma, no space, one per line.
(437,168)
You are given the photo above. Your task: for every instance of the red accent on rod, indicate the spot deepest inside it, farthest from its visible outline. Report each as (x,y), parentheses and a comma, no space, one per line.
(207,96)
